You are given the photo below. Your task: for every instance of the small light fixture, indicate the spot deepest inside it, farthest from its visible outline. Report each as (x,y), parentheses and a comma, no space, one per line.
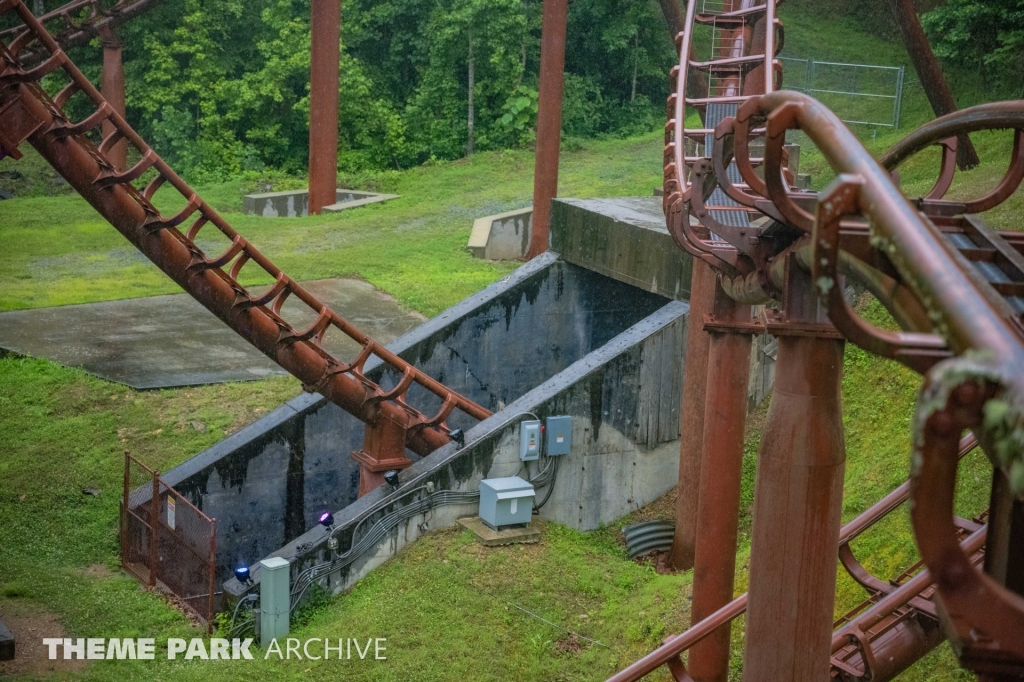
(242,575)
(392,478)
(424,527)
(326,519)
(332,543)
(459,436)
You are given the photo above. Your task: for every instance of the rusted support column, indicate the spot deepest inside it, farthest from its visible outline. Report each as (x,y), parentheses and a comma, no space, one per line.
(691,428)
(549,122)
(325,27)
(383,451)
(797,498)
(112,88)
(718,509)
(930,74)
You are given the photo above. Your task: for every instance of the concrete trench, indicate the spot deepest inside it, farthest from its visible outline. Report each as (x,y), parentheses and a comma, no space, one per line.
(595,331)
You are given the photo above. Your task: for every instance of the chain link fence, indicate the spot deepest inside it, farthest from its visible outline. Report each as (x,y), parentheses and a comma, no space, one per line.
(166,541)
(860,94)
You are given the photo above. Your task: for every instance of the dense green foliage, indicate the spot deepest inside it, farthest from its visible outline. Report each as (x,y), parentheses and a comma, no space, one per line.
(220,88)
(984,34)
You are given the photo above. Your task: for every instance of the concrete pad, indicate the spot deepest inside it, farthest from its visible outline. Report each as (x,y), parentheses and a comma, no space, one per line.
(169,341)
(489,537)
(295,203)
(356,203)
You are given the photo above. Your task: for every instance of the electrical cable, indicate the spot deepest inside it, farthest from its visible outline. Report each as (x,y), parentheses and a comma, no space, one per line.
(389,521)
(551,485)
(244,600)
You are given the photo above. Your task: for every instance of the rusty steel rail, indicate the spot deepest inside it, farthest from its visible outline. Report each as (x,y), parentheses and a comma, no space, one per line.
(28,113)
(740,63)
(674,646)
(969,282)
(746,37)
(77,23)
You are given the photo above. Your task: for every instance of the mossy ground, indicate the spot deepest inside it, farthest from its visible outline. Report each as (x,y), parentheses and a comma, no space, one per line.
(447,607)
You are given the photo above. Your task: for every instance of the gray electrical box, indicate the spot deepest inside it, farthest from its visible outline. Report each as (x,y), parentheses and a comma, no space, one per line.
(559,435)
(529,441)
(506,502)
(275,599)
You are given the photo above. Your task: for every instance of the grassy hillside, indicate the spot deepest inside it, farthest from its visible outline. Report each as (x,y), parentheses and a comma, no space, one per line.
(59,251)
(449,609)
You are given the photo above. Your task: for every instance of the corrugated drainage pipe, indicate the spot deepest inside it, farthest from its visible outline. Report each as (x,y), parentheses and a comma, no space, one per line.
(648,536)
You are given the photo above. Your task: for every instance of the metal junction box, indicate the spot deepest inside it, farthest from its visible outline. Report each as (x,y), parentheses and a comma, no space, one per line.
(529,441)
(559,436)
(506,502)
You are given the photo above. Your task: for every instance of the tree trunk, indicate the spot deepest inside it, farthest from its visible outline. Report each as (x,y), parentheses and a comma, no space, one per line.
(930,74)
(636,62)
(696,82)
(469,120)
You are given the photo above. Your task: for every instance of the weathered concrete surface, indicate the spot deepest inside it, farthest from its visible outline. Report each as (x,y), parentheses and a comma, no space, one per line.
(488,537)
(295,203)
(504,236)
(167,341)
(624,238)
(615,465)
(267,483)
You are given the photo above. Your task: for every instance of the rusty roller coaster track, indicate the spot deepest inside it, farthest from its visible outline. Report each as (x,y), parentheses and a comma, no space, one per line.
(956,289)
(125,199)
(954,286)
(78,22)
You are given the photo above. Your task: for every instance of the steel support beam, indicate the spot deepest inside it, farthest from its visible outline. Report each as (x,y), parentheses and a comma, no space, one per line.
(112,88)
(549,122)
(325,29)
(383,451)
(797,498)
(691,428)
(718,509)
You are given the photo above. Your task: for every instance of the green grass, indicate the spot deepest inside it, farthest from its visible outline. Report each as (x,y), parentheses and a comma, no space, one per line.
(445,605)
(59,251)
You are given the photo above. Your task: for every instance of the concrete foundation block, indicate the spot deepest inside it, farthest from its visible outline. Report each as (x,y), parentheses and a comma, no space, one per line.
(505,236)
(489,537)
(295,203)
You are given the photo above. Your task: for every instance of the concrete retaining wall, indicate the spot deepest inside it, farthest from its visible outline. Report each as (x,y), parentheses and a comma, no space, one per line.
(624,238)
(624,399)
(505,236)
(267,483)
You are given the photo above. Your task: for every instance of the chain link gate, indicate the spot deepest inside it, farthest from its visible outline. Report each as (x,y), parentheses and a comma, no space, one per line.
(860,94)
(166,541)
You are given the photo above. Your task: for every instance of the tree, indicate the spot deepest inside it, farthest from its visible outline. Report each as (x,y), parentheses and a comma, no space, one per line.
(971,32)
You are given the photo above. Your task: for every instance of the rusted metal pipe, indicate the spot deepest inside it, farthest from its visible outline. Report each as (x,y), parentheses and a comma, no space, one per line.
(905,645)
(695,379)
(325,53)
(676,645)
(549,122)
(113,92)
(725,413)
(79,21)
